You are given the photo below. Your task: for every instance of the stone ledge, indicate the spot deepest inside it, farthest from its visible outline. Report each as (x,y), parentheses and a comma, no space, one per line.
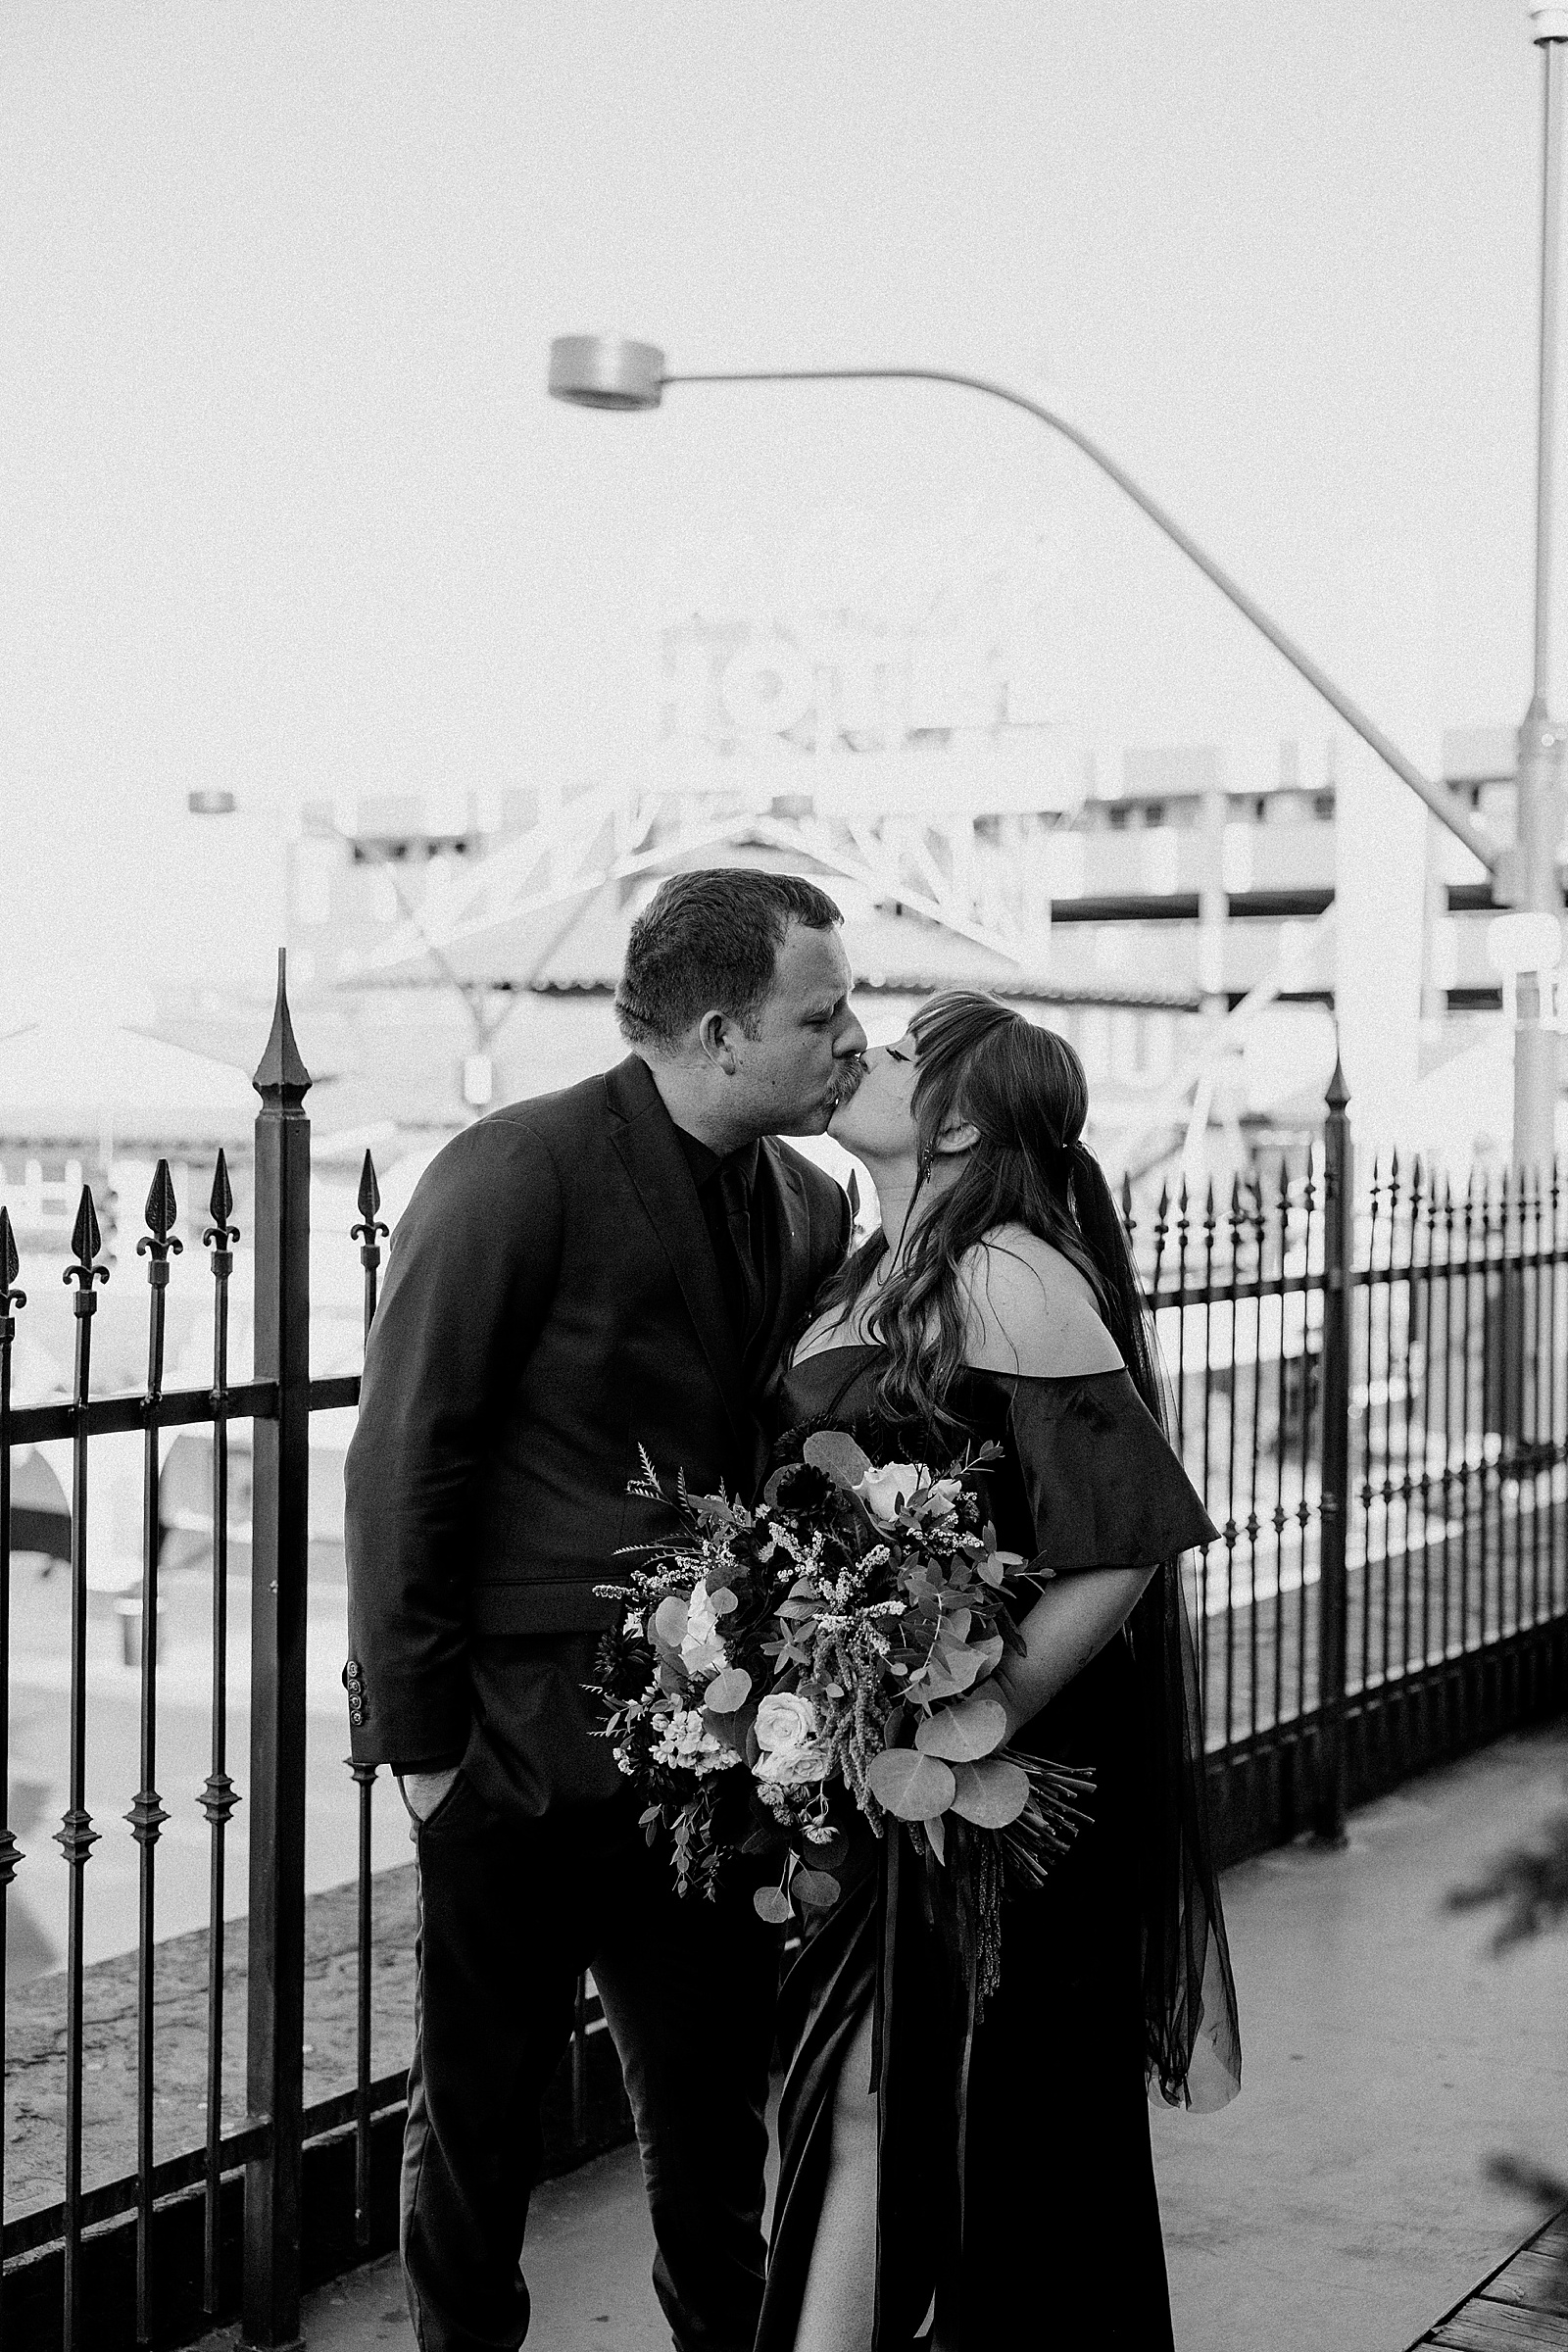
(35,2038)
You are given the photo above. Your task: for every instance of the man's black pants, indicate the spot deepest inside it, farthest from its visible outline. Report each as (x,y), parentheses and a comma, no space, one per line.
(511,1910)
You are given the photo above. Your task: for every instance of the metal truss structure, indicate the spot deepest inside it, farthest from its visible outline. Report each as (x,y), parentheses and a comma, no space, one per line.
(930,865)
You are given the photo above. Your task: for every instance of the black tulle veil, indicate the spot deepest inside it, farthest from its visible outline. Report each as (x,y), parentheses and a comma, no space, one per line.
(1194,2046)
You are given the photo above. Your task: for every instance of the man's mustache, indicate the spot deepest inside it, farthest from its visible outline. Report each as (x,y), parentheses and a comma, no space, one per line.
(850,1072)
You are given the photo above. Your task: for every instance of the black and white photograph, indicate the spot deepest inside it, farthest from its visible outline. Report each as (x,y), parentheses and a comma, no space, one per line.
(783,1176)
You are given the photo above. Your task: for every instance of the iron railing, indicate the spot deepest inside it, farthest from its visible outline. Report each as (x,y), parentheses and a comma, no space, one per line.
(1364,1386)
(1367,1388)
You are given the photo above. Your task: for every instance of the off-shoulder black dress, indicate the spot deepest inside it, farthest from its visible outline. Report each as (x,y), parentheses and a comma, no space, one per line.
(1014,2174)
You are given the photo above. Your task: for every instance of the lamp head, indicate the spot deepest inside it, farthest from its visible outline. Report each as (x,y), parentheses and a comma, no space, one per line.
(601,371)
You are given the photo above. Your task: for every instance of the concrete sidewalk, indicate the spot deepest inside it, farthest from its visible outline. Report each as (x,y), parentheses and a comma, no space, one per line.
(1341,2200)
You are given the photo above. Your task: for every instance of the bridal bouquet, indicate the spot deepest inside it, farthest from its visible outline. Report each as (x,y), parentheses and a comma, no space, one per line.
(780,1670)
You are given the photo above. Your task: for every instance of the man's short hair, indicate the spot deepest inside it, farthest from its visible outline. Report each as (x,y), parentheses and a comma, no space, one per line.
(709,942)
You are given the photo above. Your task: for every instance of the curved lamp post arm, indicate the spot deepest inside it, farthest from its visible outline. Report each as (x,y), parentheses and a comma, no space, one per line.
(1439,802)
(601,371)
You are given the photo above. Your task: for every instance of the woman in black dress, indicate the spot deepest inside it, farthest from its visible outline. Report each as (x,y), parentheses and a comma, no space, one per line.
(978,2176)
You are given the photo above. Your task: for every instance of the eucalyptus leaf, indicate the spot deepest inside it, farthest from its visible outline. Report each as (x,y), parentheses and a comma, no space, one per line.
(773,1904)
(912,1786)
(814,1887)
(964,1733)
(992,1793)
(938,1836)
(722,1598)
(727,1691)
(835,1452)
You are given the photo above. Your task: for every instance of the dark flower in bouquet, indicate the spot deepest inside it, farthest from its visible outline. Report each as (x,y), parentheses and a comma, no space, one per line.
(784,1673)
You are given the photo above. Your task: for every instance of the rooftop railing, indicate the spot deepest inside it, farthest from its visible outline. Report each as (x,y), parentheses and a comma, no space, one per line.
(1366,1386)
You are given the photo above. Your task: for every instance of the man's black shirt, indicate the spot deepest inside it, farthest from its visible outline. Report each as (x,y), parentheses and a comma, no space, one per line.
(749,1269)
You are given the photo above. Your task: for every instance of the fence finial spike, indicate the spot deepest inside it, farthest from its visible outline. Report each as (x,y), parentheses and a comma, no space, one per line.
(370,1190)
(162,1207)
(280,1074)
(85,1238)
(221,1200)
(10,1263)
(1338,1094)
(221,1235)
(86,1242)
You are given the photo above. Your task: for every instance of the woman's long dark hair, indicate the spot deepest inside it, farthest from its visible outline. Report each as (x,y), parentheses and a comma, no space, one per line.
(1023,1090)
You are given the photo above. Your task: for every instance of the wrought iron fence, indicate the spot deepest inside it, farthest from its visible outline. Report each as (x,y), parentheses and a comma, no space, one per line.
(1364,1386)
(1367,1388)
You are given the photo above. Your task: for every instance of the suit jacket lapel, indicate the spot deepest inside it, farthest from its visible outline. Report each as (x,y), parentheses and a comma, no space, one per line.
(645,1140)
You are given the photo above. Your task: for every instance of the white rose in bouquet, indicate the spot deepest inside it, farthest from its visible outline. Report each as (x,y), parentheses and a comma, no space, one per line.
(886,1490)
(787,1733)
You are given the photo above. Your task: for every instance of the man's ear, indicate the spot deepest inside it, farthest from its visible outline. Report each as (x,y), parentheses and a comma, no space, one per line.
(962,1138)
(713,1033)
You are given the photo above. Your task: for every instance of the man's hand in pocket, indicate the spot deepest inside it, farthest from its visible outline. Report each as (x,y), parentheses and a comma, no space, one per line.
(422,1791)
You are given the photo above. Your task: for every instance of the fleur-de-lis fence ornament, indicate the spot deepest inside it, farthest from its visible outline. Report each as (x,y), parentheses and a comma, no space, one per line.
(10,1268)
(86,1242)
(369,1233)
(220,1236)
(159,1242)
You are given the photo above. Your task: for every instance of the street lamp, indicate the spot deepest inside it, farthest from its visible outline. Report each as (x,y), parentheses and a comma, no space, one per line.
(598,371)
(602,372)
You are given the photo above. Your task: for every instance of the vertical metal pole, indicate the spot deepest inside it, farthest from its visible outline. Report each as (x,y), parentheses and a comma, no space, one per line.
(369,1233)
(1253,1520)
(10,1854)
(217,1799)
(1230,1530)
(1282,1210)
(275,2062)
(147,1816)
(1338,1246)
(1540,741)
(1311,1390)
(75,1836)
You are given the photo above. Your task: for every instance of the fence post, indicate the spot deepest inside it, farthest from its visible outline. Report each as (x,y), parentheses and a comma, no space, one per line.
(275,2023)
(1338,1231)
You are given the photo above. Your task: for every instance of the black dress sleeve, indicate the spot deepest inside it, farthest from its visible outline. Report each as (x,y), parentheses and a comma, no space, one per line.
(1105,1489)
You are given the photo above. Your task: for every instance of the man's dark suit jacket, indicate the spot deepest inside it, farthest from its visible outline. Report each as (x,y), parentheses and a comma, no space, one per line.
(553,1305)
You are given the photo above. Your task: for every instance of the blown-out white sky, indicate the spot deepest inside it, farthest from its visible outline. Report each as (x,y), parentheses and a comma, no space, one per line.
(283,506)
